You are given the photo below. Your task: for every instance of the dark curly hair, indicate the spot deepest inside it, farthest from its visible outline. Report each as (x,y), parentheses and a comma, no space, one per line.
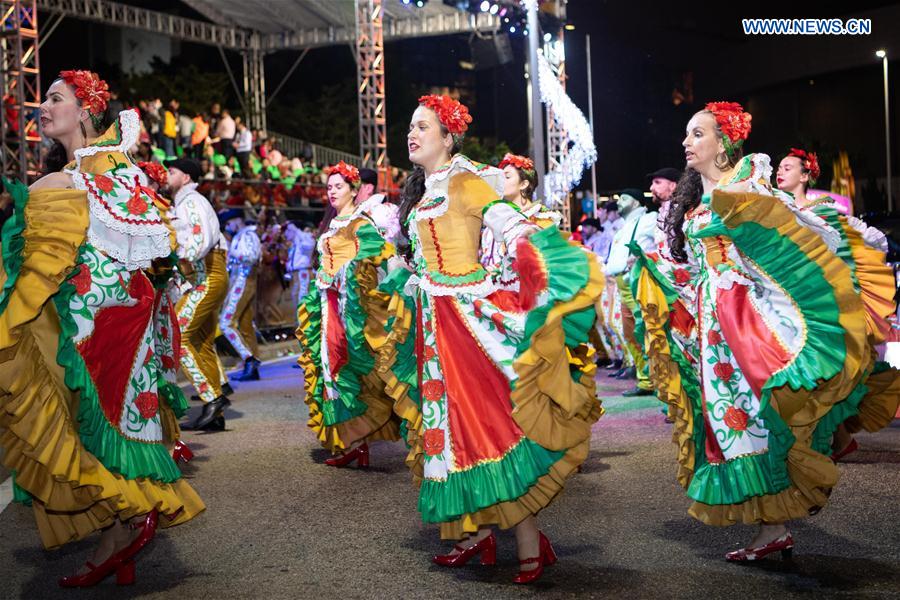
(686,196)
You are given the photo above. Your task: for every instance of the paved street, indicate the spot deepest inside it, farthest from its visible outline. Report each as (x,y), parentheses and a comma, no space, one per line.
(279,524)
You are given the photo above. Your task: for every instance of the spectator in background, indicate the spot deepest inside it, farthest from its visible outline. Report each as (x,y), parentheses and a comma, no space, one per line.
(199,135)
(243,145)
(215,113)
(170,129)
(114,107)
(185,128)
(206,169)
(275,156)
(154,121)
(225,131)
(611,222)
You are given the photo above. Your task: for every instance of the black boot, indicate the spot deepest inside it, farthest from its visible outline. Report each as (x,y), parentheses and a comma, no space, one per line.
(227,390)
(217,424)
(615,365)
(251,371)
(629,373)
(211,411)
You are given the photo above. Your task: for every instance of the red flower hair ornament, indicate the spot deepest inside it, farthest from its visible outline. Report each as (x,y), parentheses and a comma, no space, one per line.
(734,123)
(520,162)
(155,171)
(92,91)
(453,114)
(348,172)
(810,162)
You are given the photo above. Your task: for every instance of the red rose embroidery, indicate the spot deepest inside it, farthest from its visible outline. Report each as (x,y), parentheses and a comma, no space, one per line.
(736,418)
(723,371)
(617,316)
(430,353)
(136,205)
(147,404)
(713,337)
(497,318)
(200,288)
(104,183)
(238,290)
(182,352)
(204,387)
(196,229)
(168,362)
(433,390)
(82,280)
(149,357)
(653,256)
(434,442)
(164,332)
(682,276)
(182,321)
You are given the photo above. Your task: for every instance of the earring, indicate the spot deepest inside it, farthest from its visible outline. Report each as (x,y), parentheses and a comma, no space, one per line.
(724,162)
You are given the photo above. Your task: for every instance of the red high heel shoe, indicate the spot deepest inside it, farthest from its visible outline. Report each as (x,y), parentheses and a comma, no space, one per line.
(360,454)
(121,563)
(850,448)
(148,532)
(546,558)
(182,451)
(124,573)
(784,544)
(487,548)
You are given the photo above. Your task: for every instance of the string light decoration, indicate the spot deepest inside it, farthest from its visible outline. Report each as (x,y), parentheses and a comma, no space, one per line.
(582,152)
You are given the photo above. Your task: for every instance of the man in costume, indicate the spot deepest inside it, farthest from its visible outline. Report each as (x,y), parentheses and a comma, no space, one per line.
(639,227)
(236,320)
(201,251)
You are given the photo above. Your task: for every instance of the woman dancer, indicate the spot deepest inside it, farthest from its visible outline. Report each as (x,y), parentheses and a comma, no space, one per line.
(342,326)
(781,339)
(519,184)
(506,380)
(89,343)
(872,406)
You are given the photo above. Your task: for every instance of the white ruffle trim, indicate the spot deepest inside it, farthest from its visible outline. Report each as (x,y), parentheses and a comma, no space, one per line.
(135,245)
(130,126)
(731,277)
(480,289)
(892,354)
(437,185)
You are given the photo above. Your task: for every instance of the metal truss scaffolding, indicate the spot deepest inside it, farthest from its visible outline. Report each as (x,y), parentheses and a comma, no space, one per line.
(255,85)
(21,87)
(370,77)
(557,136)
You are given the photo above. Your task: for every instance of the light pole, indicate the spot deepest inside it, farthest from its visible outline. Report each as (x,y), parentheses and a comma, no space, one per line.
(882,54)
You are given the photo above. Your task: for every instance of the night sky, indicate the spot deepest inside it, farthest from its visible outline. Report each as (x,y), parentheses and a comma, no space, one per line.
(822,93)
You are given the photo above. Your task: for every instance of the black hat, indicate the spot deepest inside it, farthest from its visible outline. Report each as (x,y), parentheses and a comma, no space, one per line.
(665,173)
(188,166)
(368,176)
(231,213)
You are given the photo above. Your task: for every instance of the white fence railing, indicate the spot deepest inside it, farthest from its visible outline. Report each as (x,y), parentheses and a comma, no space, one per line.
(321,155)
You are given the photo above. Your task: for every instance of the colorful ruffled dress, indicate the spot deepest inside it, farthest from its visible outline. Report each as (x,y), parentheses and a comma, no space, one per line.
(493,254)
(341,331)
(88,348)
(498,392)
(779,346)
(863,249)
